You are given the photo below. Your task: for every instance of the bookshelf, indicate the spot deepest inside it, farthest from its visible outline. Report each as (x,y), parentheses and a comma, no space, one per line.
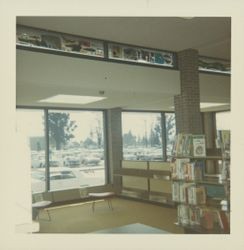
(202,200)
(146,180)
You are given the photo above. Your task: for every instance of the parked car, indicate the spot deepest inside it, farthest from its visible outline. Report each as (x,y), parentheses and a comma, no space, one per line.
(37,161)
(53,162)
(60,178)
(72,161)
(91,161)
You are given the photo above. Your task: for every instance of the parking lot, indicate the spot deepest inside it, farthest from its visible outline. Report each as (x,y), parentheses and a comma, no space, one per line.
(68,169)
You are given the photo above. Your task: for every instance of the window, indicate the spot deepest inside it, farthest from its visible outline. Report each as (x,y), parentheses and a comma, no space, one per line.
(141,55)
(142,136)
(76,148)
(223,120)
(76,144)
(170,132)
(223,132)
(30,125)
(48,40)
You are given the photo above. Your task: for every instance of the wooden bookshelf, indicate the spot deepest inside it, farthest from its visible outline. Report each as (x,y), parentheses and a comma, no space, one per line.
(143,173)
(146,180)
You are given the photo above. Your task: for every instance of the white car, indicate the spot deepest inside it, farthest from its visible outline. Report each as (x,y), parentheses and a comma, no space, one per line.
(60,178)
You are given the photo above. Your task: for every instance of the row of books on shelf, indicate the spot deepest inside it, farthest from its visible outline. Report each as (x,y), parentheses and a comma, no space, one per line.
(183,169)
(189,145)
(204,217)
(188,193)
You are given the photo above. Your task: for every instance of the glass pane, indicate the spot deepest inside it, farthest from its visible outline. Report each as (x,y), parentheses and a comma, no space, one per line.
(141,55)
(142,136)
(76,149)
(30,125)
(214,65)
(32,37)
(170,132)
(223,121)
(223,139)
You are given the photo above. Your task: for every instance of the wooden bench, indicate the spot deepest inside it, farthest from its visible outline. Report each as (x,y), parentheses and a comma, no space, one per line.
(106,196)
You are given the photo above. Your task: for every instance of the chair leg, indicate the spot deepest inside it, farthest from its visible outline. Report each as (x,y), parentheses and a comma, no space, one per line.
(49,217)
(93,206)
(110,204)
(35,214)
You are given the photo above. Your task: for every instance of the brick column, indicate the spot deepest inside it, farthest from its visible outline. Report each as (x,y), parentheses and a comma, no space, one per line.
(115,150)
(187,104)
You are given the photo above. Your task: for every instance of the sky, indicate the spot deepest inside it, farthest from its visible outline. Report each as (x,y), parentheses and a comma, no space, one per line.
(30,122)
(138,123)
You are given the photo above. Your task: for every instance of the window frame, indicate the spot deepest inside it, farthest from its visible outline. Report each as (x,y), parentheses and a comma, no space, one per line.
(47,139)
(163,129)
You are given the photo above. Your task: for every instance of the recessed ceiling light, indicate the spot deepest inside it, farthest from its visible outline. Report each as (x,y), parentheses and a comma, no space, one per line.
(186,17)
(72,99)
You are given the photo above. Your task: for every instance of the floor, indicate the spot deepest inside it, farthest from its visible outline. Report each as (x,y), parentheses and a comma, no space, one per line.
(79,217)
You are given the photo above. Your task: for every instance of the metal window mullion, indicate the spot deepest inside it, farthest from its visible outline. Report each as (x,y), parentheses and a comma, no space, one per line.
(47,166)
(106,147)
(164,140)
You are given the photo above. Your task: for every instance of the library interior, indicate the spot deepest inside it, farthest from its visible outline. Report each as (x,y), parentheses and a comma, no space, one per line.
(123,125)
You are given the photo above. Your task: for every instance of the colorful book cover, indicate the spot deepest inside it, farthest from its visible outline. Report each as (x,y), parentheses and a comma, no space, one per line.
(199,145)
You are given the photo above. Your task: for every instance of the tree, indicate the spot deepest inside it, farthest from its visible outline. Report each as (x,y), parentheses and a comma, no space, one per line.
(154,138)
(129,139)
(170,127)
(61,128)
(144,141)
(89,143)
(99,133)
(156,133)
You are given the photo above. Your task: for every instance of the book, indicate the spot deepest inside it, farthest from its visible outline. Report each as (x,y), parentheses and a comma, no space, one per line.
(223,219)
(207,219)
(199,145)
(194,216)
(196,195)
(176,191)
(184,187)
(183,214)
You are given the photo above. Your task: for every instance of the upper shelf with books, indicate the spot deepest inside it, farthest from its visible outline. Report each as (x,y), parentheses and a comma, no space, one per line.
(189,145)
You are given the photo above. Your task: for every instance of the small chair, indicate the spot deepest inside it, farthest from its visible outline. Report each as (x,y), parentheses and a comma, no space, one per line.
(106,196)
(39,204)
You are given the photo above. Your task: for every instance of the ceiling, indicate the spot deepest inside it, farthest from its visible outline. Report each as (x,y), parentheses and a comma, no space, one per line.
(131,87)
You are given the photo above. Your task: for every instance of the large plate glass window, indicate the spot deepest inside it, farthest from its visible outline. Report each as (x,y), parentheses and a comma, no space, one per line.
(76,149)
(30,127)
(142,136)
